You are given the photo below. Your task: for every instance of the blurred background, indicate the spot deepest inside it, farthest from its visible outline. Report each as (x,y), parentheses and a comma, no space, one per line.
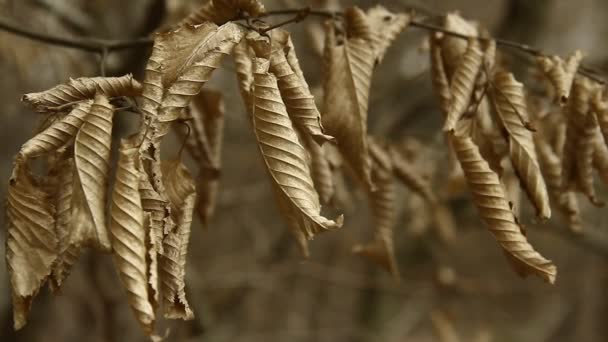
(246,280)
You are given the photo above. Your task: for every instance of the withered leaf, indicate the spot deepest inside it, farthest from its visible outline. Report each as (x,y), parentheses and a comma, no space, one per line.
(182,195)
(31,242)
(385,27)
(58,134)
(208,116)
(346,88)
(462,83)
(382,203)
(285,157)
(129,235)
(490,198)
(561,73)
(242,63)
(508,96)
(222,11)
(320,170)
(294,90)
(441,84)
(454,47)
(92,149)
(82,89)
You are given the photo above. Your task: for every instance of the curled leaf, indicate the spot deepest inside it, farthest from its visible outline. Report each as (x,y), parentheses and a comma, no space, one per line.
(600,109)
(382,202)
(285,157)
(385,27)
(406,172)
(92,160)
(441,84)
(31,242)
(490,198)
(296,95)
(222,11)
(83,88)
(508,95)
(182,195)
(462,83)
(346,88)
(242,63)
(454,47)
(320,170)
(58,134)
(129,235)
(561,73)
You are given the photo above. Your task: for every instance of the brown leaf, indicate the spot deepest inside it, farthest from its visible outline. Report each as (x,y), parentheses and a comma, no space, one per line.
(320,170)
(208,117)
(508,96)
(242,62)
(58,134)
(346,89)
(92,149)
(441,84)
(222,11)
(410,176)
(294,90)
(462,83)
(382,202)
(385,27)
(31,242)
(83,88)
(561,73)
(285,157)
(182,194)
(68,252)
(129,235)
(490,199)
(600,109)
(454,47)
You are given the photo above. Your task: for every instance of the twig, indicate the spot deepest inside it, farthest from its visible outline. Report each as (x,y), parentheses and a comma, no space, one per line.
(99,45)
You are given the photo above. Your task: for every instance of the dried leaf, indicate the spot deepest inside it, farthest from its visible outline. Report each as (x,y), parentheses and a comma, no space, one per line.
(68,253)
(490,199)
(385,27)
(208,122)
(508,96)
(454,47)
(203,48)
(31,242)
(222,11)
(83,88)
(441,85)
(561,73)
(242,63)
(382,202)
(182,194)
(346,89)
(462,83)
(92,149)
(410,177)
(444,327)
(129,235)
(600,109)
(320,170)
(566,201)
(600,159)
(58,134)
(294,90)
(585,149)
(285,158)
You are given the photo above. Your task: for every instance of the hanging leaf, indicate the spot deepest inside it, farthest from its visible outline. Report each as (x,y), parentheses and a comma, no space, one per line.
(561,73)
(586,148)
(68,253)
(242,63)
(222,11)
(58,134)
(454,47)
(92,160)
(320,170)
(490,199)
(566,201)
(600,159)
(382,202)
(441,85)
(346,88)
(182,194)
(129,235)
(600,109)
(508,96)
(385,27)
(31,242)
(294,90)
(208,116)
(83,88)
(462,83)
(410,177)
(285,158)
